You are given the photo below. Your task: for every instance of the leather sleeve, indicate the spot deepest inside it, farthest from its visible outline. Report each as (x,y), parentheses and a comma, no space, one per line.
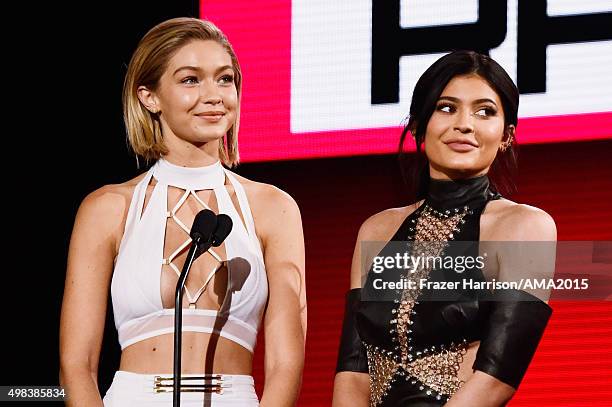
(513,329)
(352,355)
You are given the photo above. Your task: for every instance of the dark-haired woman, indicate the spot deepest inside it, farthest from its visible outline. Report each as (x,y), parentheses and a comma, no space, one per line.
(461,346)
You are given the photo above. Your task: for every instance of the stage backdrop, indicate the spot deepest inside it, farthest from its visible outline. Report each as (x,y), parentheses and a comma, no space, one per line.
(334,78)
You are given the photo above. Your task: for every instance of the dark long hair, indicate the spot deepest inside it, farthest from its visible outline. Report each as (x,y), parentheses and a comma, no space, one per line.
(430,85)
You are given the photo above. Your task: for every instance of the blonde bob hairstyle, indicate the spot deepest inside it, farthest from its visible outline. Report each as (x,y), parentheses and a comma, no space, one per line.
(147,66)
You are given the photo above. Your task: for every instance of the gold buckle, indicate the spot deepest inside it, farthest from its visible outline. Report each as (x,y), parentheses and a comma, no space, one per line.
(208,384)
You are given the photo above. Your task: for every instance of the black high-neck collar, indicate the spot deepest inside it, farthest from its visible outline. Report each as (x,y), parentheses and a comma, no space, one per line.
(450,194)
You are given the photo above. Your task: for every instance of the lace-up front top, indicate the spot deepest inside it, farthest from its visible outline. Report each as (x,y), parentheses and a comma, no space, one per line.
(153,250)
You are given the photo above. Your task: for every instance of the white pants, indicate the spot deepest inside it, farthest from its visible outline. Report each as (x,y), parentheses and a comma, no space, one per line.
(136,390)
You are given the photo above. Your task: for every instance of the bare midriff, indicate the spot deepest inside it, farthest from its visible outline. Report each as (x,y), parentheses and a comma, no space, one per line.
(201,353)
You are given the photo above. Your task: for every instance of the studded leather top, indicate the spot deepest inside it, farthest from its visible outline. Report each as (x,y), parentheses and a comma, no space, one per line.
(416,336)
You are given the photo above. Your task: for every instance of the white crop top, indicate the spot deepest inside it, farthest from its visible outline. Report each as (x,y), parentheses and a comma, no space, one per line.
(136,282)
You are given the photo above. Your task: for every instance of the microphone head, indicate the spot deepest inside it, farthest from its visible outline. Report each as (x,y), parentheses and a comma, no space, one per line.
(204,225)
(224,227)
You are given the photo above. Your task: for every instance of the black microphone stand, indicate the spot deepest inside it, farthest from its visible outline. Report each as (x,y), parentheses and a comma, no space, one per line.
(196,247)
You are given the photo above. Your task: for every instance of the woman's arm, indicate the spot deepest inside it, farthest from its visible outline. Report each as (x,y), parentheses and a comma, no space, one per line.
(90,264)
(482,390)
(528,251)
(280,227)
(352,388)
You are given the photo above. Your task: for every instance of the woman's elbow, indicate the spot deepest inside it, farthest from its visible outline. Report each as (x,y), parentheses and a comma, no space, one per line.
(76,369)
(351,389)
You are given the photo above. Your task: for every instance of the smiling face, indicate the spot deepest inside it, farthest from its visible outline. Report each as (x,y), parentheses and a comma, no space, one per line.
(196,98)
(465,130)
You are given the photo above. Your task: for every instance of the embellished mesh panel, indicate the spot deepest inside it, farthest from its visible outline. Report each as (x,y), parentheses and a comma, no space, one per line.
(433,369)
(382,368)
(437,368)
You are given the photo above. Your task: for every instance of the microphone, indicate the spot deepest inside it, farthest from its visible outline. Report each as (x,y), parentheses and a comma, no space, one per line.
(204,226)
(224,227)
(222,230)
(202,230)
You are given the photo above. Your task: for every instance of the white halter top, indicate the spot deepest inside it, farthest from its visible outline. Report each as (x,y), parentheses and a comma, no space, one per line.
(136,283)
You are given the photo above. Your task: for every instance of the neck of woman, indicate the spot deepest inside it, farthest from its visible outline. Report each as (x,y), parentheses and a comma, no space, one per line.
(186,154)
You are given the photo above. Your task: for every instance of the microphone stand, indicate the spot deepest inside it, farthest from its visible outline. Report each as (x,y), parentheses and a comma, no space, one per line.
(196,246)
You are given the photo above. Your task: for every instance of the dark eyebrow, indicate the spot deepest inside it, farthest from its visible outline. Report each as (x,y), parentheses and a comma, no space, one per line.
(195,68)
(475,102)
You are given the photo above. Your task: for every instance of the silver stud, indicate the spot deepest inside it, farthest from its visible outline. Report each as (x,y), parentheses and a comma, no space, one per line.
(428,392)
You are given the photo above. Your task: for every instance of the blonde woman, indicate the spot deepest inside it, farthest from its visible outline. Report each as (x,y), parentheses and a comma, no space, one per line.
(182,107)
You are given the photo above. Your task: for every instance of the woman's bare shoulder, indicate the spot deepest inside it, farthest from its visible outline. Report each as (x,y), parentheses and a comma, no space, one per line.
(264,196)
(515,221)
(383,225)
(108,204)
(272,208)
